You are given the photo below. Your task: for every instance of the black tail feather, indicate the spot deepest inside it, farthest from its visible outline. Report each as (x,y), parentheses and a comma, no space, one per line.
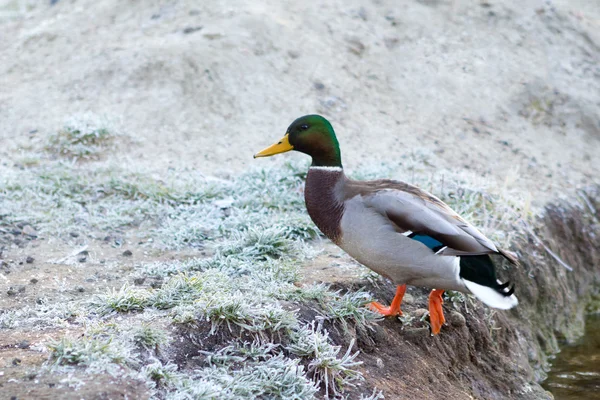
(511,291)
(480,269)
(504,285)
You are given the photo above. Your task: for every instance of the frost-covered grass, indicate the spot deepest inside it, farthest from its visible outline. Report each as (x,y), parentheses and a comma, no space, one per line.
(149,337)
(179,209)
(125,299)
(77,143)
(176,210)
(245,286)
(82,138)
(90,352)
(325,364)
(239,376)
(44,314)
(256,231)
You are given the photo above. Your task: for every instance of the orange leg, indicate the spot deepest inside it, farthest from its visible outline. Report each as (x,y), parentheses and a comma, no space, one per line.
(436,314)
(394,308)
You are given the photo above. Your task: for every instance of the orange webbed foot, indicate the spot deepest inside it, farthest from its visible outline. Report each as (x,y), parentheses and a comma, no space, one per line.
(436,313)
(394,308)
(383,310)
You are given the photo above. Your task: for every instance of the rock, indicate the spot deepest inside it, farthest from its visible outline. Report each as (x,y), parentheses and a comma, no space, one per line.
(23,344)
(14,290)
(29,231)
(191,29)
(356,46)
(29,260)
(156,283)
(420,313)
(127,253)
(318,85)
(456,319)
(416,334)
(117,240)
(408,298)
(213,36)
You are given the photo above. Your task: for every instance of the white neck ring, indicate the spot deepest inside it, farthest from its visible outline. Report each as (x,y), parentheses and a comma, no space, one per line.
(335,169)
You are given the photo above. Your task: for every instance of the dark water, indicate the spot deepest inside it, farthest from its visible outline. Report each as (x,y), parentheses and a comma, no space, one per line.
(575,372)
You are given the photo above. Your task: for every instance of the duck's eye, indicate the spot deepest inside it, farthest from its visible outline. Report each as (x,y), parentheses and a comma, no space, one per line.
(303,127)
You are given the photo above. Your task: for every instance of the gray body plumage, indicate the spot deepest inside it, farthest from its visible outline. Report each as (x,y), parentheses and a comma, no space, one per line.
(371,239)
(370,221)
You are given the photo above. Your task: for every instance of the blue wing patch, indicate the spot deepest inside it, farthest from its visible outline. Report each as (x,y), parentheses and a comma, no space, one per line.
(428,241)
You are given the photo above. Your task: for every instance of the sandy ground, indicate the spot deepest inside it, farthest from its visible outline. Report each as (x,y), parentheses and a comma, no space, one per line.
(505,89)
(509,89)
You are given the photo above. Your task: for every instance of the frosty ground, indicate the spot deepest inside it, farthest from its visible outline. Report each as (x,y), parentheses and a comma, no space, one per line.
(144,253)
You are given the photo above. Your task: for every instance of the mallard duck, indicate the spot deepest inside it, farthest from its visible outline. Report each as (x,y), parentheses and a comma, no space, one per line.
(396,229)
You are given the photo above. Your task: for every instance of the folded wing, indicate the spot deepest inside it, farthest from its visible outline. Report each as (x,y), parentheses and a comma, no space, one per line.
(415,210)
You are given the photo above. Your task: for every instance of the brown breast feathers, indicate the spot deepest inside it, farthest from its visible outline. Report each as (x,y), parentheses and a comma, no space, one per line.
(324,203)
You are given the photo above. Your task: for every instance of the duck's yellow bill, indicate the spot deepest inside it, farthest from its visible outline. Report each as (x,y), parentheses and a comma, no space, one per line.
(280,147)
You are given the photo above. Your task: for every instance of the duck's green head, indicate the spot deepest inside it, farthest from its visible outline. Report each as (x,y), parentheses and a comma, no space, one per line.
(312,135)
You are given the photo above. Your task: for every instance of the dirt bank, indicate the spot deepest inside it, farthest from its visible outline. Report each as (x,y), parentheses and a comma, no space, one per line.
(491,355)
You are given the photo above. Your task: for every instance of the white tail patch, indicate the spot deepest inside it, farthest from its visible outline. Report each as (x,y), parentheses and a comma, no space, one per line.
(490,297)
